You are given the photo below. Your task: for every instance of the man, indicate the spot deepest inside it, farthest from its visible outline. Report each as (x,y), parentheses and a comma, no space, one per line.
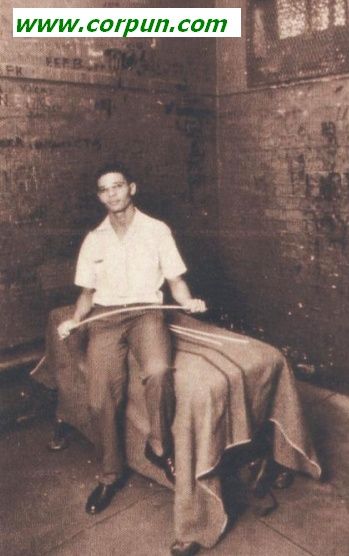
(123,263)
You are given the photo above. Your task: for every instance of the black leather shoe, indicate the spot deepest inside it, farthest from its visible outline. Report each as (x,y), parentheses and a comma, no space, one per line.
(166,463)
(59,440)
(179,548)
(102,495)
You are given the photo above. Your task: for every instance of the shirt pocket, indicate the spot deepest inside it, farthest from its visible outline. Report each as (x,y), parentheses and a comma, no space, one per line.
(98,269)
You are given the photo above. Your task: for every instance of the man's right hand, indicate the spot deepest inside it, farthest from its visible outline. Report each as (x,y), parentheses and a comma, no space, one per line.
(65,328)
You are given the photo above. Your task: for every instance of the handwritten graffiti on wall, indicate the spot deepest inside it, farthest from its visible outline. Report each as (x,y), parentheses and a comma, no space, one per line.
(39,144)
(9,70)
(192,122)
(328,205)
(42,102)
(3,99)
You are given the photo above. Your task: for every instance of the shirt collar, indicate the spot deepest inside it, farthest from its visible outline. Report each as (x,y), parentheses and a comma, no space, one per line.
(137,217)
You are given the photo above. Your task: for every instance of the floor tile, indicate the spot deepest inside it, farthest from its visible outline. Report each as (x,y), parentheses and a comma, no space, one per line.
(140,530)
(329,423)
(43,500)
(250,537)
(313,516)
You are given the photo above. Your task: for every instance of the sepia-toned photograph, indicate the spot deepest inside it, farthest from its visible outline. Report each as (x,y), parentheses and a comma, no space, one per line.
(174,279)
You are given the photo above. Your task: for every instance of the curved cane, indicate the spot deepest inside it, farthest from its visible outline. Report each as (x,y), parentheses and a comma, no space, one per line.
(209,337)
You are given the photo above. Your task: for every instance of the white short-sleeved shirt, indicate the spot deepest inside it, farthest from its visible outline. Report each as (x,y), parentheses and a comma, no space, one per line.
(131,269)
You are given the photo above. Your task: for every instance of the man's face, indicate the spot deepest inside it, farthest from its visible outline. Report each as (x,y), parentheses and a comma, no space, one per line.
(115,192)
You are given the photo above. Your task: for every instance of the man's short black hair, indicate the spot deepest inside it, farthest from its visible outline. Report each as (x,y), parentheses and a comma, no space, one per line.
(117,168)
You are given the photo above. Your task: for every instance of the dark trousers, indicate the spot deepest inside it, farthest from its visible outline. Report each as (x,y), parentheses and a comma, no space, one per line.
(145,333)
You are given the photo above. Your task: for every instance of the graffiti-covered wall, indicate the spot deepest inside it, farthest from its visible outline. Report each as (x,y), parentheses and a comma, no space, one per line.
(66,107)
(284,207)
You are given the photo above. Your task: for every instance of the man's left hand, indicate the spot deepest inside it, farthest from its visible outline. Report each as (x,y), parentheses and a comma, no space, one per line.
(195,306)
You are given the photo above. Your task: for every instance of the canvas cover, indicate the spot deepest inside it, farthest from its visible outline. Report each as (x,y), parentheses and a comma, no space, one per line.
(226,385)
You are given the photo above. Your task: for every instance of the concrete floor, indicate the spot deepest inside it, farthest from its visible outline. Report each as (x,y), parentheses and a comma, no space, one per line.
(43,495)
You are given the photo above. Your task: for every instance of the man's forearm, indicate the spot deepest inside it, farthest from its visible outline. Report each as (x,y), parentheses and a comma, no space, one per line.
(180,291)
(83,305)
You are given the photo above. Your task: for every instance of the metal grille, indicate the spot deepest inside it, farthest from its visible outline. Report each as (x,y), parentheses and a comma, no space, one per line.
(295,39)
